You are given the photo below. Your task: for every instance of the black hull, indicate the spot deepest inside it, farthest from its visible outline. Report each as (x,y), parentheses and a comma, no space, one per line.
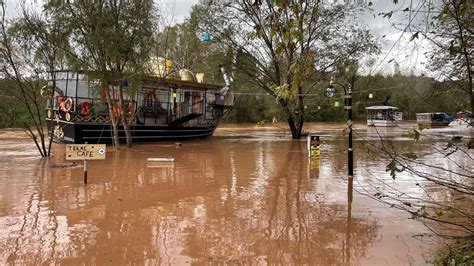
(435,124)
(92,133)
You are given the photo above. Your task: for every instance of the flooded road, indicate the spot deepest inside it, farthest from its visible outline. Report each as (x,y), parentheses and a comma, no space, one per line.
(248,195)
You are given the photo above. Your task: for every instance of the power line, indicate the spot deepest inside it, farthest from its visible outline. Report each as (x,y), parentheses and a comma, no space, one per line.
(353,92)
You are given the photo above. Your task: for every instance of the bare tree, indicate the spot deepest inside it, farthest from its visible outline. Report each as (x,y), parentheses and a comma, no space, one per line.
(447,172)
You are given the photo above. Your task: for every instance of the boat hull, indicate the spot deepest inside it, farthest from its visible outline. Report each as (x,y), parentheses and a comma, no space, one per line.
(434,124)
(382,123)
(82,132)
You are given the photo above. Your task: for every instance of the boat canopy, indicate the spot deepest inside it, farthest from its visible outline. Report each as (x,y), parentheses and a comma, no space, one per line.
(382,107)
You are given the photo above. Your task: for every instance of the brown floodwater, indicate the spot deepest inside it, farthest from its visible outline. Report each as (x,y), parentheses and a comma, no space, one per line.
(247,195)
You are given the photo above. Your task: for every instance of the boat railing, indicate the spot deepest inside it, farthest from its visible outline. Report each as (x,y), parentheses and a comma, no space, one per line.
(187,108)
(398,116)
(385,115)
(153,107)
(98,105)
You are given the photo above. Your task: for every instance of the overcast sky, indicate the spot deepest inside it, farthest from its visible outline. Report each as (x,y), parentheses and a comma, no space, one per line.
(395,46)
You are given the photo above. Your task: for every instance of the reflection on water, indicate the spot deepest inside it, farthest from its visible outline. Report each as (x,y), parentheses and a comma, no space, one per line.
(247,195)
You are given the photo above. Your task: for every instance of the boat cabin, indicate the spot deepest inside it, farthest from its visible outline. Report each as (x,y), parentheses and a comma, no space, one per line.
(383,116)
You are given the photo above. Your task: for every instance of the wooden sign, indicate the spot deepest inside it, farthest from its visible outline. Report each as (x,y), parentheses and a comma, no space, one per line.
(85,152)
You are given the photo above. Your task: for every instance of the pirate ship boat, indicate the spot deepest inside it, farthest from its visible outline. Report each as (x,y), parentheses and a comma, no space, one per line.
(162,109)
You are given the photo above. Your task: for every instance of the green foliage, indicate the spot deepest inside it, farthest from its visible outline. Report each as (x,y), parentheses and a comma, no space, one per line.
(453,142)
(461,254)
(13,112)
(284,91)
(420,213)
(451,32)
(415,133)
(393,168)
(414,36)
(410,155)
(380,195)
(366,147)
(105,36)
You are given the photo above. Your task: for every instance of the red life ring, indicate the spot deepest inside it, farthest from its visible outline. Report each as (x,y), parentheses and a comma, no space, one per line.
(116,110)
(68,104)
(62,102)
(85,108)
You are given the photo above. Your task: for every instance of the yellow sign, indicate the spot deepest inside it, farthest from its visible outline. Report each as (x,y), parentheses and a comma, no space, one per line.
(315,151)
(85,152)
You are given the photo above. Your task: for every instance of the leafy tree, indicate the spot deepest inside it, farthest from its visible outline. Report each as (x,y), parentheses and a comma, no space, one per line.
(47,57)
(25,61)
(110,41)
(447,25)
(290,45)
(452,34)
(183,44)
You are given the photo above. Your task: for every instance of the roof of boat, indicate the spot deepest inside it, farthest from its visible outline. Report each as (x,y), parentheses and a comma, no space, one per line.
(159,80)
(182,83)
(431,113)
(382,107)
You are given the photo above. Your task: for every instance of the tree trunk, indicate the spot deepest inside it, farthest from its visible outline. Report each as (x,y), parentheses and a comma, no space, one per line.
(124,115)
(472,106)
(113,120)
(295,122)
(293,128)
(53,112)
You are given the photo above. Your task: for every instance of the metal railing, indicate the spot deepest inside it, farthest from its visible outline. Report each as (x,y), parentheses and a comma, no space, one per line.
(187,108)
(96,105)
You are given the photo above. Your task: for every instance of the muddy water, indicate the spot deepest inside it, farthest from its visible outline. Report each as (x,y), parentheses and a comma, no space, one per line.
(247,195)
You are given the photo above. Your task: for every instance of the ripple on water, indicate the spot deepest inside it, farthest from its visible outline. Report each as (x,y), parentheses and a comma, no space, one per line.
(249,194)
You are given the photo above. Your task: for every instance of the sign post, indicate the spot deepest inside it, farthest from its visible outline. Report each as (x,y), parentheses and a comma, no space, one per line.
(313,155)
(85,171)
(313,146)
(75,152)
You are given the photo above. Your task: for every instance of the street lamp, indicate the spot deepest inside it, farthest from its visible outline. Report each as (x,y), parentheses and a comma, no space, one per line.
(330,90)
(350,158)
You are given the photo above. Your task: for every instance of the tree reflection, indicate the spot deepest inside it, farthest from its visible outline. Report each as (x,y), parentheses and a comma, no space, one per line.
(291,226)
(222,201)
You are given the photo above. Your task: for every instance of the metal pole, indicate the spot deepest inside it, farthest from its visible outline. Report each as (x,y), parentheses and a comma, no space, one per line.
(85,172)
(348,107)
(308,145)
(350,155)
(85,169)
